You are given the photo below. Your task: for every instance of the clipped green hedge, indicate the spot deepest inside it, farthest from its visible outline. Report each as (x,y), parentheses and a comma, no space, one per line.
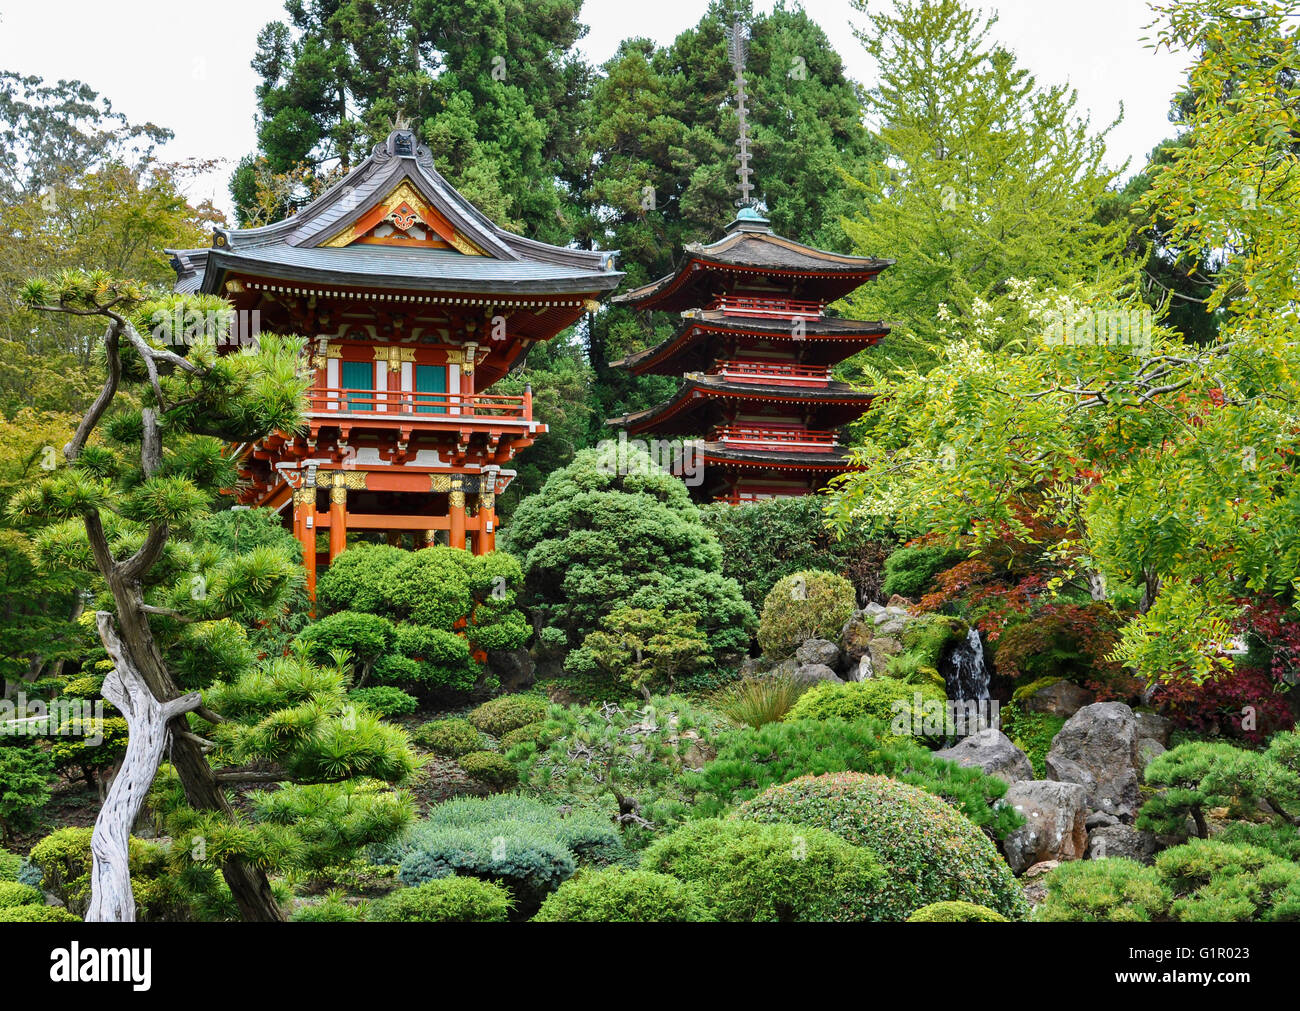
(450,737)
(14,894)
(618,895)
(880,698)
(749,872)
(445,900)
(929,850)
(508,712)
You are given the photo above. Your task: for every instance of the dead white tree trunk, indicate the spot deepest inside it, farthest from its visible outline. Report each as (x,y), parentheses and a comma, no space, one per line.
(111,899)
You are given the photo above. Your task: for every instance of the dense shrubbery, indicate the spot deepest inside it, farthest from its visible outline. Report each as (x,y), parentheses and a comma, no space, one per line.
(643,649)
(490,769)
(14,894)
(10,865)
(955,912)
(617,895)
(25,775)
(750,761)
(880,698)
(451,737)
(445,900)
(1205,880)
(508,712)
(929,850)
(804,605)
(771,872)
(606,533)
(422,620)
(524,844)
(385,700)
(909,572)
(64,859)
(37,914)
(770,540)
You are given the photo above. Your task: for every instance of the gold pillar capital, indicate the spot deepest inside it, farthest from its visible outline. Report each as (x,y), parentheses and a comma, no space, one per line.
(339,494)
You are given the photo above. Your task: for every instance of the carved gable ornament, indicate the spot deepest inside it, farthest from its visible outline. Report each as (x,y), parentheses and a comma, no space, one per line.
(404,218)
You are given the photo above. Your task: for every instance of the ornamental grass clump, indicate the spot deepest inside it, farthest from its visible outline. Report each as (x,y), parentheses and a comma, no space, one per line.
(929,850)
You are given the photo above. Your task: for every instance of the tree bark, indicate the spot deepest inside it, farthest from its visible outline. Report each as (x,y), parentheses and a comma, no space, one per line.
(111,898)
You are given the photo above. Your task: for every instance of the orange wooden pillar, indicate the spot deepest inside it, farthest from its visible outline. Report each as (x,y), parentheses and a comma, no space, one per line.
(338,520)
(304,528)
(456,502)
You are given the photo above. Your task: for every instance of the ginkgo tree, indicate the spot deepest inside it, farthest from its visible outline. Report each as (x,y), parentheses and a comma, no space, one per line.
(1170,468)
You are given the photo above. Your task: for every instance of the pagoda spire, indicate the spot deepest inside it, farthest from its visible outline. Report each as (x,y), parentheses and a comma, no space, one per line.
(737,50)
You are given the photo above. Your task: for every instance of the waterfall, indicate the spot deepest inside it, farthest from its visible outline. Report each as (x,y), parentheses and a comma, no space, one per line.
(964,671)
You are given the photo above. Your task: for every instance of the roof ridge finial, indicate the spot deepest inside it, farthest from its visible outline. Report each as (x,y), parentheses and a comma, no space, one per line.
(737,50)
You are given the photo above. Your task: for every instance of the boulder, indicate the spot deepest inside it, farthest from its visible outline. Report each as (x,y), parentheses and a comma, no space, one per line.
(814,673)
(1121,841)
(818,651)
(881,649)
(1054,823)
(992,751)
(514,668)
(754,666)
(1097,749)
(1149,749)
(855,639)
(1100,819)
(891,622)
(1064,698)
(1154,728)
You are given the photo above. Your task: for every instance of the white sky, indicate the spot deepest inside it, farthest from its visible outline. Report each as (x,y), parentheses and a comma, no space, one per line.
(185,65)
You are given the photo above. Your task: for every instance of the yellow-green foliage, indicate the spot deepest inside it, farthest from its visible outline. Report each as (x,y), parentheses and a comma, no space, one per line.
(805,605)
(956,912)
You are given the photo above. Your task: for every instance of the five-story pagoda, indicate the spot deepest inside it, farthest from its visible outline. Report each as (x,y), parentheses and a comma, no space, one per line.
(755,348)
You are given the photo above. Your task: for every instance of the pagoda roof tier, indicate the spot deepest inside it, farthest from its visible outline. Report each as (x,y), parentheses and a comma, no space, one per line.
(699,404)
(823,341)
(752,257)
(395,223)
(836,461)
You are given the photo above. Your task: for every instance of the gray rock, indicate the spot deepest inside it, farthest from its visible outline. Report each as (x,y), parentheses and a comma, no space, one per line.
(1063,698)
(514,667)
(881,649)
(813,673)
(754,666)
(1097,749)
(1054,823)
(872,609)
(1034,881)
(1121,841)
(1100,819)
(1153,727)
(818,651)
(1149,749)
(855,639)
(992,751)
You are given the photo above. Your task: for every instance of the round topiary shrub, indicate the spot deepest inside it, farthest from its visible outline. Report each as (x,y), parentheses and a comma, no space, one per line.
(490,769)
(805,605)
(13,894)
(880,698)
(749,872)
(520,735)
(616,895)
(955,912)
(452,737)
(930,851)
(1116,890)
(508,712)
(37,914)
(445,900)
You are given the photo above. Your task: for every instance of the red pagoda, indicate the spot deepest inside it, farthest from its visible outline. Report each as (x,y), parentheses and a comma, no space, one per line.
(755,348)
(414,304)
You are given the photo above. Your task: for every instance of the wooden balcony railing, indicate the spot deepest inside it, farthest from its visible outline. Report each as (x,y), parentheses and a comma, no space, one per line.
(775,438)
(775,308)
(785,373)
(407,403)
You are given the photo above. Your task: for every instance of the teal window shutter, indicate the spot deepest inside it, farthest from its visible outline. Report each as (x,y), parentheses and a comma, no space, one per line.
(430,379)
(359,376)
